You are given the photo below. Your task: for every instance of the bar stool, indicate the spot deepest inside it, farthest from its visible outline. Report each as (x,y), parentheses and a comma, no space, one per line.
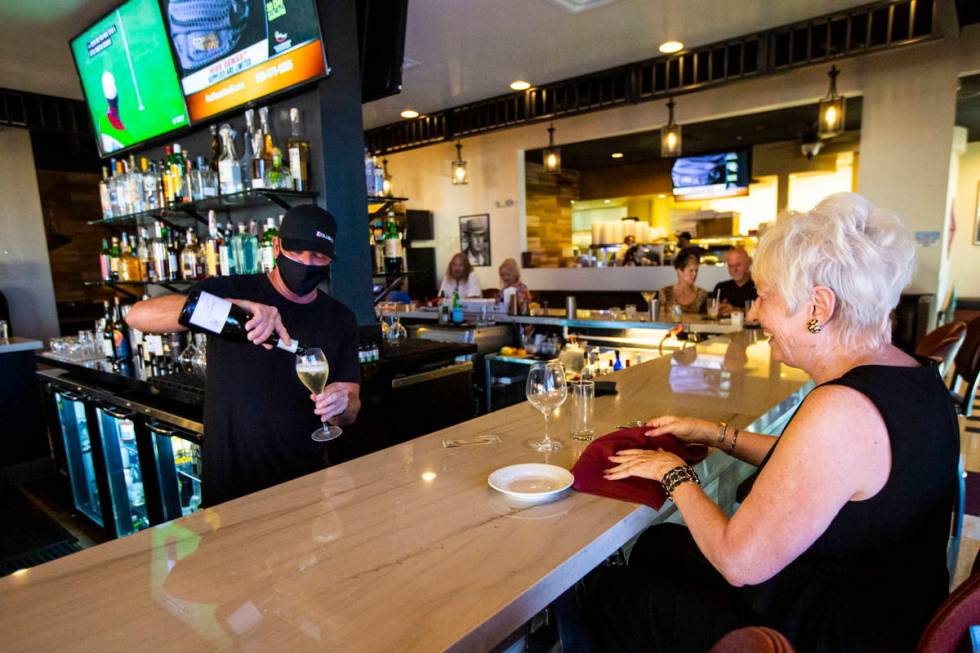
(967,369)
(753,639)
(943,344)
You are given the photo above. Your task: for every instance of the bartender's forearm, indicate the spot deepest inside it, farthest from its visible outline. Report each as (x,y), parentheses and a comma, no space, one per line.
(157,315)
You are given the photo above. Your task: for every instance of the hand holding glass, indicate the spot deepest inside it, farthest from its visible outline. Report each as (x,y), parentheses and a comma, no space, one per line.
(313,370)
(546,391)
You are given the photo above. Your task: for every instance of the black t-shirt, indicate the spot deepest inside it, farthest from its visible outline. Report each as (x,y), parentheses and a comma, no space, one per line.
(734,294)
(258,416)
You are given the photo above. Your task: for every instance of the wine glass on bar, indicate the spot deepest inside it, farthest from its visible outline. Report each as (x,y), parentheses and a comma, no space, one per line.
(313,369)
(546,390)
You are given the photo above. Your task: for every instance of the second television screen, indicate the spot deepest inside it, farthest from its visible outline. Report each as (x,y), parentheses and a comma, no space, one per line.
(230,52)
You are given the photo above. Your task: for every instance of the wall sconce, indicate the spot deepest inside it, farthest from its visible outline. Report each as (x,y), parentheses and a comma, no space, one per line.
(460,177)
(831,120)
(386,184)
(552,154)
(670,134)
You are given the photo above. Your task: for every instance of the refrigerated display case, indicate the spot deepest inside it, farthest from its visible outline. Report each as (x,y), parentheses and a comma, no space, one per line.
(178,465)
(78,454)
(122,462)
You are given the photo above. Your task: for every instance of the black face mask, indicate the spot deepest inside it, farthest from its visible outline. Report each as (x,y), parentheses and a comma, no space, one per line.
(302,279)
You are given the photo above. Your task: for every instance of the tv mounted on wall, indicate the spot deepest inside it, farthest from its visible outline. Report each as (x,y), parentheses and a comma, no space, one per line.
(128,77)
(706,176)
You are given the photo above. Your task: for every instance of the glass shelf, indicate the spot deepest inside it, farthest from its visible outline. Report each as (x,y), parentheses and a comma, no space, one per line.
(176,285)
(245,199)
(385,202)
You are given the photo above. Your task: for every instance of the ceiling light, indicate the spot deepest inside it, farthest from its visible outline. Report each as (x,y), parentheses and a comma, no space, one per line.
(520,85)
(670,134)
(606,201)
(662,195)
(831,117)
(460,176)
(552,154)
(670,47)
(617,155)
(410,113)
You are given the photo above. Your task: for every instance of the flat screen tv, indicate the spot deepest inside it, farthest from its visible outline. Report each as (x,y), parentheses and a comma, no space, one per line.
(706,176)
(128,77)
(231,52)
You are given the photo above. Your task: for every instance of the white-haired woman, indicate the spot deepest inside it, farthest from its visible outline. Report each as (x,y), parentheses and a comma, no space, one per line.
(841,540)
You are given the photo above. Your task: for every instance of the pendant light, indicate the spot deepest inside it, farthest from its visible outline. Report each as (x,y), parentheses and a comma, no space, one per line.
(460,177)
(552,154)
(386,184)
(831,119)
(670,134)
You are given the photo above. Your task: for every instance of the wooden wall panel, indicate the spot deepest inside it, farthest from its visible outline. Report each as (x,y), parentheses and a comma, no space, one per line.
(549,213)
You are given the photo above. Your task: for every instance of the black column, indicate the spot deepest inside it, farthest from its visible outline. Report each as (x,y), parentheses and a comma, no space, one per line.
(342,135)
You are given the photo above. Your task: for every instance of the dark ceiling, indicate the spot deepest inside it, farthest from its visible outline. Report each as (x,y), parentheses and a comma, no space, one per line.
(711,136)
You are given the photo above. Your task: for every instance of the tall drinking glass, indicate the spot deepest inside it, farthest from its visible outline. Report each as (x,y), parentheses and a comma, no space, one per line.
(313,369)
(582,399)
(546,390)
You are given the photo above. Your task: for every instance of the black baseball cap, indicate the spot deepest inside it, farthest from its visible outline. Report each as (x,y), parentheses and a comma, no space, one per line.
(307,227)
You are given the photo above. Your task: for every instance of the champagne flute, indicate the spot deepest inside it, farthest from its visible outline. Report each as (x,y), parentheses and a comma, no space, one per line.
(313,369)
(546,390)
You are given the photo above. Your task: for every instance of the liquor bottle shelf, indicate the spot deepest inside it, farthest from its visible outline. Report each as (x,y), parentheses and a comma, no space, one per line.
(173,285)
(285,199)
(385,202)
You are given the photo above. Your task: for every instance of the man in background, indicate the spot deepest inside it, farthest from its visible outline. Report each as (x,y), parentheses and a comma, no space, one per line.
(740,288)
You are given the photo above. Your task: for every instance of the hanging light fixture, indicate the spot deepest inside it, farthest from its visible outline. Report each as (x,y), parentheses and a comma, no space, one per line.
(460,177)
(552,154)
(670,134)
(386,184)
(831,120)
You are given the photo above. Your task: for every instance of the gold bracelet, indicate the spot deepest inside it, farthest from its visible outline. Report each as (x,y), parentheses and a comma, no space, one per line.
(722,427)
(734,440)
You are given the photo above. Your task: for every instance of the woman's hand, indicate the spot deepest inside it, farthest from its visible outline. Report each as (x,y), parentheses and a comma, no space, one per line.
(265,320)
(685,429)
(643,463)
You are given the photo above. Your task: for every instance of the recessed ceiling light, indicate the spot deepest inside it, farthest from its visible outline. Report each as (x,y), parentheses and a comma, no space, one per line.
(520,85)
(607,201)
(410,113)
(670,47)
(617,155)
(662,195)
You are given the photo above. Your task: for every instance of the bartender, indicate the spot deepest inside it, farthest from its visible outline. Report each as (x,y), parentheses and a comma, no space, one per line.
(258,416)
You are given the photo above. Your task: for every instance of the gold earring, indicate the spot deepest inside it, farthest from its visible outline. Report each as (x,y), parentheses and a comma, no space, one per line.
(813,326)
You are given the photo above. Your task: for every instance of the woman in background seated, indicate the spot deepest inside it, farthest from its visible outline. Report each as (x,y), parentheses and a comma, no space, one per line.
(840,543)
(460,277)
(510,277)
(691,298)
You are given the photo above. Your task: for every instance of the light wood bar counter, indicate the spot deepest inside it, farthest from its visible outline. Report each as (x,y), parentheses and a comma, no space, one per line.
(406,549)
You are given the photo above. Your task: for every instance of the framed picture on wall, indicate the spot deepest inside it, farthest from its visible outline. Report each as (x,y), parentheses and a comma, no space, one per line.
(976,219)
(474,238)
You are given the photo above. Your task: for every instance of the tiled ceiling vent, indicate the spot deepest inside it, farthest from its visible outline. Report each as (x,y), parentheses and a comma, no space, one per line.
(870,28)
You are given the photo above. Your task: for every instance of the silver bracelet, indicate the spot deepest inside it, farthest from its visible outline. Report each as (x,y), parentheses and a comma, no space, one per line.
(722,427)
(676,476)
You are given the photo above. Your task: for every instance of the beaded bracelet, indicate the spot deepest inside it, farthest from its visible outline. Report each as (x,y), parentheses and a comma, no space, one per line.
(676,476)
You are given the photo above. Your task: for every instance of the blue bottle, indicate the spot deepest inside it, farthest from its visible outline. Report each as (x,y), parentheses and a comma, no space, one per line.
(618,365)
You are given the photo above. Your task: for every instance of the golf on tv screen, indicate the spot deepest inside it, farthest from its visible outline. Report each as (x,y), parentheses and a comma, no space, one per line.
(725,174)
(128,76)
(230,52)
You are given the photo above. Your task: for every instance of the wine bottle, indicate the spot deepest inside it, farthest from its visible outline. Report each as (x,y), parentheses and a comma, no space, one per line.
(107,345)
(299,154)
(104,257)
(392,246)
(208,313)
(120,334)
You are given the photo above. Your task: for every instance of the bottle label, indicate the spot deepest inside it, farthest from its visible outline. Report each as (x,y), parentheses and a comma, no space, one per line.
(211,312)
(295,164)
(392,247)
(290,348)
(266,258)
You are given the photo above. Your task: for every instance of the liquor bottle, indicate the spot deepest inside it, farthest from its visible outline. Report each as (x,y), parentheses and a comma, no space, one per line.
(229,174)
(120,334)
(248,152)
(207,179)
(392,246)
(104,194)
(188,258)
(277,176)
(267,258)
(143,255)
(193,181)
(379,179)
(131,268)
(267,143)
(457,308)
(104,255)
(166,166)
(122,189)
(108,349)
(618,365)
(204,312)
(158,253)
(250,248)
(114,257)
(177,174)
(299,154)
(151,195)
(173,255)
(135,184)
(369,172)
(211,247)
(226,254)
(213,162)
(245,251)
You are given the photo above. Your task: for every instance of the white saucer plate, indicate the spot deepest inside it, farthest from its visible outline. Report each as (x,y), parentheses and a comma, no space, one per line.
(531,481)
